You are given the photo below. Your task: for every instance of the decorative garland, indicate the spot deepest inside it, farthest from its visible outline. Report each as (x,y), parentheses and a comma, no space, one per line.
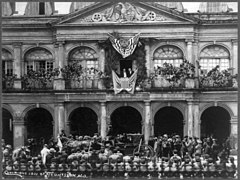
(112,58)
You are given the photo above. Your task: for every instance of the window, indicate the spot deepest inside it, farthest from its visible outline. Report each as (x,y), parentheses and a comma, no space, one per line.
(212,56)
(169,54)
(41,8)
(85,56)
(37,59)
(7,63)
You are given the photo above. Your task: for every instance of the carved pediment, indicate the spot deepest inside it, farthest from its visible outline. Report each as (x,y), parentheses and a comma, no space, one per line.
(125,12)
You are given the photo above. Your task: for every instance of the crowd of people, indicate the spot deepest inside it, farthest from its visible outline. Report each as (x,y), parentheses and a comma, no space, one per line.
(85,153)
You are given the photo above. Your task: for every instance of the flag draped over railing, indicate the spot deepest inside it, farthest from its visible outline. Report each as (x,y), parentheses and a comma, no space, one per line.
(120,84)
(123,46)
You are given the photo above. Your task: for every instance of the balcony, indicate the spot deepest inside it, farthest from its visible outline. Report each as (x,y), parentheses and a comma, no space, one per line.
(84,83)
(33,84)
(7,84)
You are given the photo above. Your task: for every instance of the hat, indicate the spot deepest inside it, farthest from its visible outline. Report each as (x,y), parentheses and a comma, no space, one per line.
(52,150)
(9,146)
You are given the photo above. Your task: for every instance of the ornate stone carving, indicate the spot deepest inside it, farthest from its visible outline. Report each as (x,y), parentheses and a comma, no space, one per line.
(124,12)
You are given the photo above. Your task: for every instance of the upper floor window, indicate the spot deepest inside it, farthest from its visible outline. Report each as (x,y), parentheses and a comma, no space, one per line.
(7,63)
(37,59)
(169,54)
(214,55)
(85,56)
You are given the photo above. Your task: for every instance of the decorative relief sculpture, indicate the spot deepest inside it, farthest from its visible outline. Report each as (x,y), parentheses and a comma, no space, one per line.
(124,12)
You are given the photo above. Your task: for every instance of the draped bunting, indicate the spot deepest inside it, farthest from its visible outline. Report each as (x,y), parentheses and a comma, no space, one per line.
(123,46)
(125,83)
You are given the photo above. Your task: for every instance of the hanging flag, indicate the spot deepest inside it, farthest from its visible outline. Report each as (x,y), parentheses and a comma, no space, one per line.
(123,46)
(120,84)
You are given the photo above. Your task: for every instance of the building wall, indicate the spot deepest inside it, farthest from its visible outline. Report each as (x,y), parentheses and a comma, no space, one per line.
(191,39)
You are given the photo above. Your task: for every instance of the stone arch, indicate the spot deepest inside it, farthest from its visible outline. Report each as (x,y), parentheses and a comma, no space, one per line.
(92,106)
(216,44)
(175,105)
(165,121)
(125,119)
(40,46)
(68,53)
(226,107)
(215,119)
(112,107)
(89,121)
(9,50)
(33,106)
(169,44)
(9,108)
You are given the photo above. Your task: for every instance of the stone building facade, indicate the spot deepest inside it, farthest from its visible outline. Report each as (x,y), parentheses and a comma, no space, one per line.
(42,38)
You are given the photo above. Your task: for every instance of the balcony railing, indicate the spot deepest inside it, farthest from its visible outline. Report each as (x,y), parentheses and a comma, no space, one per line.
(84,83)
(37,84)
(6,85)
(98,84)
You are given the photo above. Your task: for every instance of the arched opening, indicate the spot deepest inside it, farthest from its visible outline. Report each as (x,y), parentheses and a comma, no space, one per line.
(39,124)
(168,120)
(126,120)
(169,54)
(7,127)
(83,121)
(214,55)
(215,121)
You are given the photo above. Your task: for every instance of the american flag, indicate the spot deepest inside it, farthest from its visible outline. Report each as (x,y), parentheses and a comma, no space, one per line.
(128,84)
(125,51)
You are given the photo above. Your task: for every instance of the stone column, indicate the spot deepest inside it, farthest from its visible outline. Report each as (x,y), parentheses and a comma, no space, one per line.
(234,132)
(190,119)
(19,133)
(103,126)
(59,113)
(67,130)
(235,56)
(59,83)
(102,60)
(196,62)
(147,125)
(148,60)
(17,64)
(196,120)
(190,50)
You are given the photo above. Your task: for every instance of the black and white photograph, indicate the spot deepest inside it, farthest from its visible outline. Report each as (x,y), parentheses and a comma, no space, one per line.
(119,90)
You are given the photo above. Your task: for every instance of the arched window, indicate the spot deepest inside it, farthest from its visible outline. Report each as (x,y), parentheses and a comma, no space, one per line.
(7,62)
(169,54)
(38,58)
(85,56)
(214,55)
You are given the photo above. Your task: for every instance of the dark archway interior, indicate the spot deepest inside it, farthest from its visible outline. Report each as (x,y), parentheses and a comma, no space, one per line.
(215,121)
(7,127)
(126,120)
(83,121)
(168,120)
(39,124)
